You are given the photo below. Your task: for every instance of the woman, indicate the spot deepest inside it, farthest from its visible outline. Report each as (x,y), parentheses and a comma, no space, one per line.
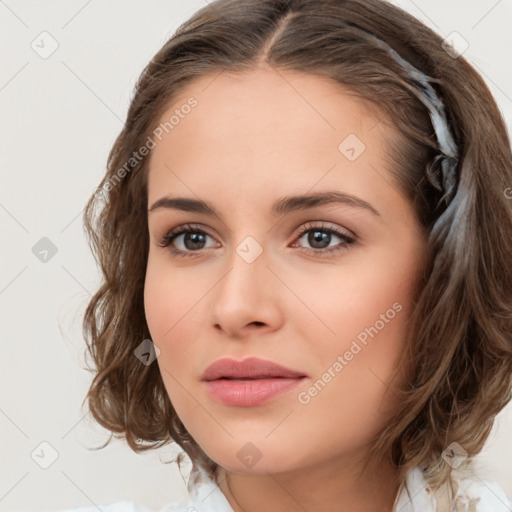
(305,237)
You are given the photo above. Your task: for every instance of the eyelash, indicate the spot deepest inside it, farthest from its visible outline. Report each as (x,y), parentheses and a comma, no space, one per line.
(190,228)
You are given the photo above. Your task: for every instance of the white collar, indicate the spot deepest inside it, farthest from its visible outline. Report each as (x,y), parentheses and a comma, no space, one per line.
(414,495)
(472,495)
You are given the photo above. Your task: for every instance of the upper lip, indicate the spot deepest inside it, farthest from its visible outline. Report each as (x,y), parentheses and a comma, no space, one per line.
(249,367)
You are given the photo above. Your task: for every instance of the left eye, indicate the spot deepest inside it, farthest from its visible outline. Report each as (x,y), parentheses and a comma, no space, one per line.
(320,237)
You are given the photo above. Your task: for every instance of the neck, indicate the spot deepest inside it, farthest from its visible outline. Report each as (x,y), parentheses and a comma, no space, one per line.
(329,487)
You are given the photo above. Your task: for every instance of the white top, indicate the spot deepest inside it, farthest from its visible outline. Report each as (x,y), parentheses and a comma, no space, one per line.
(473,495)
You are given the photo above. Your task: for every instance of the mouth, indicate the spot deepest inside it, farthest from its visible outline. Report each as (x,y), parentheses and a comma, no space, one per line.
(250,391)
(249,382)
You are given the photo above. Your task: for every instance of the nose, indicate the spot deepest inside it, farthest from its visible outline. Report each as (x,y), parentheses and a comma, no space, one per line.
(246,298)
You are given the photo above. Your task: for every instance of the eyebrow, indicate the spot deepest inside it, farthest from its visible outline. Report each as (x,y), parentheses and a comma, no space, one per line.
(282,206)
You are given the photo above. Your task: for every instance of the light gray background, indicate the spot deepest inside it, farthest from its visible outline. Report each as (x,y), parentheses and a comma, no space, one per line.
(60,116)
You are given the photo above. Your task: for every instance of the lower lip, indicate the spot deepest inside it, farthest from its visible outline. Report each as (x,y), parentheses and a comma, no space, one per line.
(246,393)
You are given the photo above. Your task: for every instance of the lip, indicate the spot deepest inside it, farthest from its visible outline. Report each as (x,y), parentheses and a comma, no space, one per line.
(251,367)
(248,382)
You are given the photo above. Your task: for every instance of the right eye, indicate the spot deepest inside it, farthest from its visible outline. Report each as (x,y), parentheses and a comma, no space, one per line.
(193,240)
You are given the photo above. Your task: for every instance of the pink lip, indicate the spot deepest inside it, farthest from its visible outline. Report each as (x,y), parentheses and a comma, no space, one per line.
(249,382)
(249,367)
(247,393)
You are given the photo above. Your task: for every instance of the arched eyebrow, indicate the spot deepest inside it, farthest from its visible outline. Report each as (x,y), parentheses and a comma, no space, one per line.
(282,206)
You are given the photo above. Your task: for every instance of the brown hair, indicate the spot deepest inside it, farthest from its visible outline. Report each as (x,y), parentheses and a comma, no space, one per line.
(460,343)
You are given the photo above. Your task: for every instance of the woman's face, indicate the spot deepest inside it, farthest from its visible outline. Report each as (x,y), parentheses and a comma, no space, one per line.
(264,277)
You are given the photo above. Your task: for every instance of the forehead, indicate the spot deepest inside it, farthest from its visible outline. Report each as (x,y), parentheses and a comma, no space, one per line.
(280,102)
(262,130)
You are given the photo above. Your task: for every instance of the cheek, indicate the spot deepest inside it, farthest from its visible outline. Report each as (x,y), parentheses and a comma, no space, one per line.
(165,304)
(363,316)
(172,299)
(174,303)
(343,304)
(368,319)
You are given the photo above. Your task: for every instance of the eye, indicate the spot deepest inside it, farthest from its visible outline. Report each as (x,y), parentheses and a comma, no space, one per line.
(320,237)
(193,240)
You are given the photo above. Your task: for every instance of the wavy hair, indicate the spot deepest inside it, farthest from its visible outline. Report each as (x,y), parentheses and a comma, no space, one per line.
(460,342)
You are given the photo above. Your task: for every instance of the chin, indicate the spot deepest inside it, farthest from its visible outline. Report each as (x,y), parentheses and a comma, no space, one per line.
(256,458)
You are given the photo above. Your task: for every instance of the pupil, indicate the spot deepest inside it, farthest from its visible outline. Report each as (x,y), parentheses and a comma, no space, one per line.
(196,240)
(317,236)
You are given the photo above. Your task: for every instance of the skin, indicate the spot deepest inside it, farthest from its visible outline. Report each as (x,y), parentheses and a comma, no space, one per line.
(251,139)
